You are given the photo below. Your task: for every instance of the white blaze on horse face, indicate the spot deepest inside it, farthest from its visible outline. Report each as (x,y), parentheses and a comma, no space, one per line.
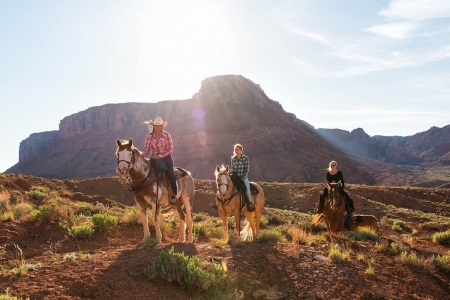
(124,158)
(223,185)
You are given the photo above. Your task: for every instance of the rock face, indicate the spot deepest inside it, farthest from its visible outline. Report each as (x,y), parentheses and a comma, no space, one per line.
(227,110)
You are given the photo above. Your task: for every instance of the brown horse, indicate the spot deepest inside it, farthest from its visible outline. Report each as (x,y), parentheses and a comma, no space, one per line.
(357,221)
(334,210)
(147,186)
(229,202)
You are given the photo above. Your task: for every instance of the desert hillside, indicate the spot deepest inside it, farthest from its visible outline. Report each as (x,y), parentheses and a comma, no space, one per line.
(227,110)
(291,259)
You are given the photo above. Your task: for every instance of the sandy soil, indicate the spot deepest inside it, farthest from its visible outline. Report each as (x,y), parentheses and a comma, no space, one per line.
(114,268)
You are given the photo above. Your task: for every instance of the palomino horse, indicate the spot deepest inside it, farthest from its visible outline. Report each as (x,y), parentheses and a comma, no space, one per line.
(334,210)
(148,187)
(229,202)
(358,221)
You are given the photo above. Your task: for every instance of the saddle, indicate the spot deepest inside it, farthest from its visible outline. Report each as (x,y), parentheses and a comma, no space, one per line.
(178,172)
(240,185)
(353,220)
(253,190)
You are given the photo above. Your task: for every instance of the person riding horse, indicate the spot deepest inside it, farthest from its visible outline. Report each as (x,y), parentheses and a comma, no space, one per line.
(335,175)
(160,144)
(240,167)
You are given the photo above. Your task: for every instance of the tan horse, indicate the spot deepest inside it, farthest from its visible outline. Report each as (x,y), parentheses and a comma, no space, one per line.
(334,210)
(229,202)
(363,221)
(148,187)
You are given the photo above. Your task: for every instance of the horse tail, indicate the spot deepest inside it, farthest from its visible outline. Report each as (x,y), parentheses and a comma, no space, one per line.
(247,233)
(317,219)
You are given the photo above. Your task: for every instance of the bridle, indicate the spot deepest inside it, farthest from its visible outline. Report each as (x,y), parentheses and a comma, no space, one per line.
(140,185)
(333,188)
(234,192)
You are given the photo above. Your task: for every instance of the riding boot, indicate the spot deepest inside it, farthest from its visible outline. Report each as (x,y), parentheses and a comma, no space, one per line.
(321,205)
(349,205)
(248,204)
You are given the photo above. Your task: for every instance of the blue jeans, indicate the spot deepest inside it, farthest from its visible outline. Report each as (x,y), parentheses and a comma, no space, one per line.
(169,163)
(247,185)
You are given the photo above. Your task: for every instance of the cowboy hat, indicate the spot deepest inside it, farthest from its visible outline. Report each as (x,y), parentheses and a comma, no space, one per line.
(159,121)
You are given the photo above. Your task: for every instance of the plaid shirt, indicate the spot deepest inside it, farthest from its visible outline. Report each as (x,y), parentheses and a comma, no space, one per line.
(162,145)
(241,166)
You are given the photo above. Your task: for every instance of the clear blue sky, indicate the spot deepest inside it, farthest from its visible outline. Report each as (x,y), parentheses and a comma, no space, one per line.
(383,66)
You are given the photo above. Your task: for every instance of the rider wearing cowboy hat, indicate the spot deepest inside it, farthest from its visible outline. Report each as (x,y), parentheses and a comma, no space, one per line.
(160,144)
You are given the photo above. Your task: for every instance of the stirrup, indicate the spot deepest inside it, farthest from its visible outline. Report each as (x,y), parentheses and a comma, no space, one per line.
(250,207)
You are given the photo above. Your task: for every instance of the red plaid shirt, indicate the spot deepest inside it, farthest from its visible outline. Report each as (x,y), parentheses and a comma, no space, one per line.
(162,146)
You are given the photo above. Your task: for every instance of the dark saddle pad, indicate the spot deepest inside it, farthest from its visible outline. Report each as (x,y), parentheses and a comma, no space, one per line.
(355,219)
(253,190)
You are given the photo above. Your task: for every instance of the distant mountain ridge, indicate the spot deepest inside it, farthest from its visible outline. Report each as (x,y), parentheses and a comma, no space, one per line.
(227,110)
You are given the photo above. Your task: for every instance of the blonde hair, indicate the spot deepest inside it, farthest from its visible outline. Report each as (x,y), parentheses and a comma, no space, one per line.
(329,166)
(234,149)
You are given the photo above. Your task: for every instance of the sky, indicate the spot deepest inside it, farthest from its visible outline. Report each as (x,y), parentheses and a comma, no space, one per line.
(383,66)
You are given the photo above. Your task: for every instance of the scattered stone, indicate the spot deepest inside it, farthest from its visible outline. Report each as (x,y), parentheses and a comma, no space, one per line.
(271,294)
(273,260)
(321,258)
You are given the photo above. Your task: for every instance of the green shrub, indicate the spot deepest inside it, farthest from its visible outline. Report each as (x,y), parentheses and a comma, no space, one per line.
(21,209)
(70,256)
(8,216)
(43,213)
(206,230)
(339,256)
(397,248)
(198,217)
(409,258)
(441,237)
(443,263)
(104,221)
(363,234)
(84,231)
(37,193)
(271,236)
(84,208)
(185,270)
(132,216)
(80,220)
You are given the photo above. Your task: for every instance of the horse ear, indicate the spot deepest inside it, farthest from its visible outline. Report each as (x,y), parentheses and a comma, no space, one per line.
(227,168)
(217,168)
(130,142)
(118,142)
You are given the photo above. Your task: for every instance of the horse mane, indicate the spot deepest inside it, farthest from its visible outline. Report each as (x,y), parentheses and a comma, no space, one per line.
(126,144)
(222,168)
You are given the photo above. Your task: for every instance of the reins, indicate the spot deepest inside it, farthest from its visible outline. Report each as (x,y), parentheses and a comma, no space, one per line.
(234,192)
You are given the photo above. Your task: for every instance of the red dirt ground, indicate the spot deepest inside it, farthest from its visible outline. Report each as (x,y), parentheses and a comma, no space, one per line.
(114,269)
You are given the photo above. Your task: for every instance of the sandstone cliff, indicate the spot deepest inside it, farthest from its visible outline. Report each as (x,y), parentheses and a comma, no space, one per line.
(227,110)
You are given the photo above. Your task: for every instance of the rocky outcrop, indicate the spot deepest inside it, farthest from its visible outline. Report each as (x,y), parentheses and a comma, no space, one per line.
(227,110)
(37,143)
(360,143)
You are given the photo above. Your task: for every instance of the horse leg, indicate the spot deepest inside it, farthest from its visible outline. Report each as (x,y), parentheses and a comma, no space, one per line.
(181,218)
(245,233)
(189,220)
(237,219)
(144,221)
(157,227)
(223,216)
(257,222)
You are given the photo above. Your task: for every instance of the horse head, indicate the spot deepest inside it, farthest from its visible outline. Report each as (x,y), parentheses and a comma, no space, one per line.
(125,156)
(334,195)
(222,180)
